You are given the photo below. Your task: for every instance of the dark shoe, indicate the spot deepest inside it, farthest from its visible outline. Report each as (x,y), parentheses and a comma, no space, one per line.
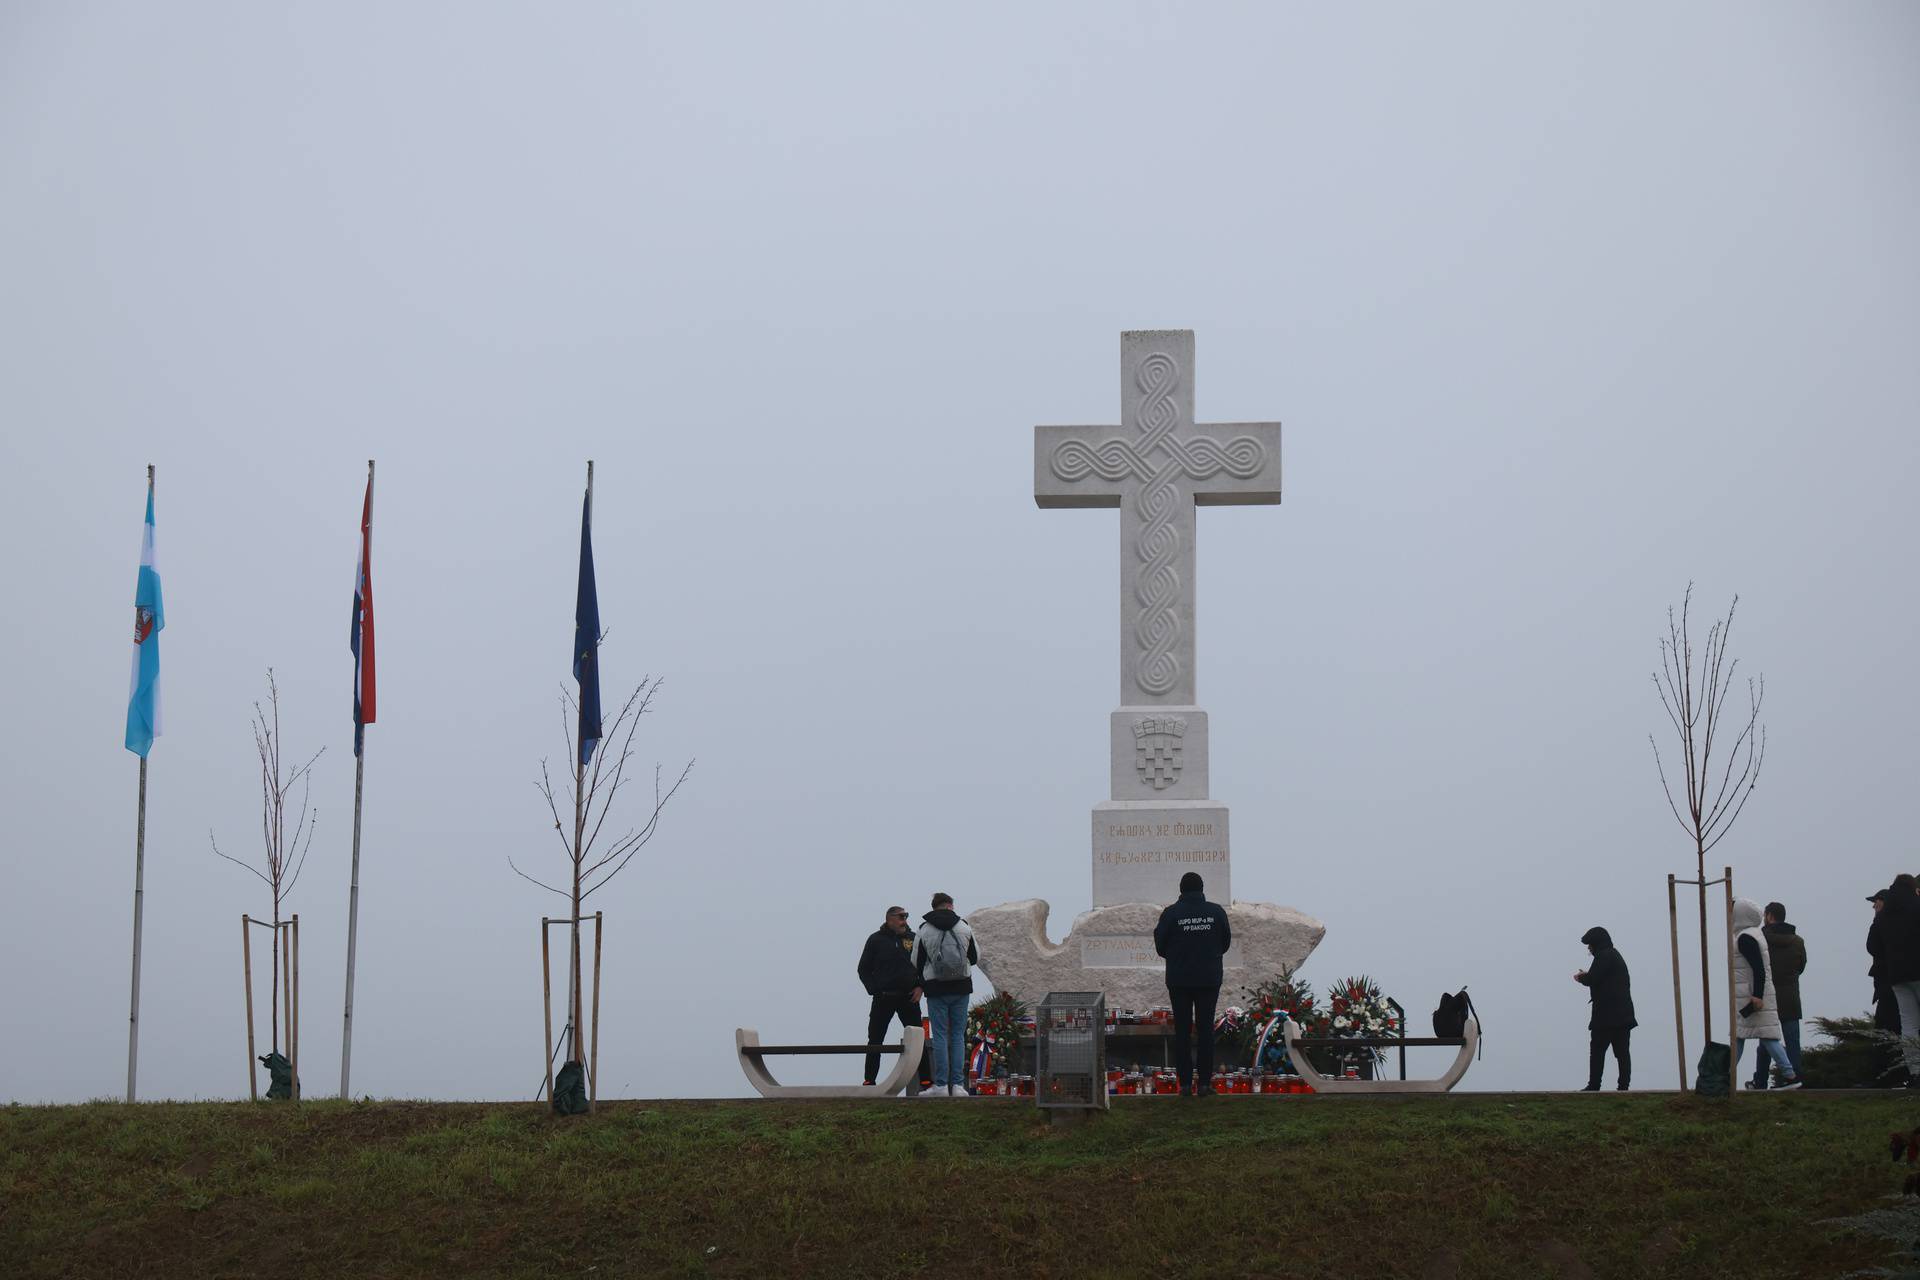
(1755,1085)
(1185,1092)
(1620,1088)
(1793,1083)
(1592,1088)
(1205,1091)
(866,1084)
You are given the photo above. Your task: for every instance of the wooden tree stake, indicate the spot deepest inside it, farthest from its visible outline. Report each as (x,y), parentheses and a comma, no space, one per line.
(1679,1019)
(246,962)
(593,1076)
(546,1000)
(293,1016)
(1733,1009)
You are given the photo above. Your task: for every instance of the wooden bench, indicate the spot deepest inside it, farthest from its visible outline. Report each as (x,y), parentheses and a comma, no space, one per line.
(753,1055)
(1443,1083)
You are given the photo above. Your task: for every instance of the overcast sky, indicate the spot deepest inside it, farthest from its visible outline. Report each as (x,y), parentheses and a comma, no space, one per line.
(1560,311)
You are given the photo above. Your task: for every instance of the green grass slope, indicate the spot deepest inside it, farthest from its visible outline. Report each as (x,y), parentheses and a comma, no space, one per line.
(1490,1185)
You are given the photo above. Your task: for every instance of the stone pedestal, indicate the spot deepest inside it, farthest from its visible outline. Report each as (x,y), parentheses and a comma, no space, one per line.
(1141,851)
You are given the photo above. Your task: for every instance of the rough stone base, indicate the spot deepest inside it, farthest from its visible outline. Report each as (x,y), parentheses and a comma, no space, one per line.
(1110,949)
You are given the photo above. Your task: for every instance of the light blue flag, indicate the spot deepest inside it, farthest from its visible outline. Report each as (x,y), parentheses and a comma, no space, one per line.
(143,700)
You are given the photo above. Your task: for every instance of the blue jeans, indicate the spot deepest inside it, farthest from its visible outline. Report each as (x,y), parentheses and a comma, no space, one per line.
(1775,1050)
(1790,1039)
(949,1015)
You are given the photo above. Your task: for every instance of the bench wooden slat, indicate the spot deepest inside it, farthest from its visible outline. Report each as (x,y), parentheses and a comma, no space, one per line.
(755,1051)
(1378,1042)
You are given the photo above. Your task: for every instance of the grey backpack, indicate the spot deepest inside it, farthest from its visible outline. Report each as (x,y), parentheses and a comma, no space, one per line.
(946,959)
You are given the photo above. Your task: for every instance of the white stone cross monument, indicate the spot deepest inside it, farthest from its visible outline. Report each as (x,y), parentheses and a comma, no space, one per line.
(1158,822)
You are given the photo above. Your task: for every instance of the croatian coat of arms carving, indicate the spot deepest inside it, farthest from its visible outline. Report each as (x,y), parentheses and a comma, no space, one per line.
(1157,748)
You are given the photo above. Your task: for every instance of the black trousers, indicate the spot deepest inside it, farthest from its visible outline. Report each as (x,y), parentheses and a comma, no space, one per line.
(887,1006)
(1193,1021)
(1622,1055)
(1886,1017)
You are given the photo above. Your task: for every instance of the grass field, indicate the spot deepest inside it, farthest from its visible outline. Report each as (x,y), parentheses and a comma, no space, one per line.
(1641,1185)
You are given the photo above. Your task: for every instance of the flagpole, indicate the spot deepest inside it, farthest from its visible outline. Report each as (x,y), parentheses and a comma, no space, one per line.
(139,887)
(139,892)
(353,887)
(579,834)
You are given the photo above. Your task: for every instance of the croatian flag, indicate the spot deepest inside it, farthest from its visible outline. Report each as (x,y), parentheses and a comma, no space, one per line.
(586,637)
(143,698)
(360,638)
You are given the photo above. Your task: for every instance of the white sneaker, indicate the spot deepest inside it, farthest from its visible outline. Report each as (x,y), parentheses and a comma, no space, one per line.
(958,1091)
(933,1091)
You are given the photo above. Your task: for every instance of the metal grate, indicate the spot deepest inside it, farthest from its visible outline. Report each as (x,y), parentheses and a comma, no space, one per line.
(1070,1050)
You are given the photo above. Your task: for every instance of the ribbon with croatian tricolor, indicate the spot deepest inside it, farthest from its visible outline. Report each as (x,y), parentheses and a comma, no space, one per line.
(143,698)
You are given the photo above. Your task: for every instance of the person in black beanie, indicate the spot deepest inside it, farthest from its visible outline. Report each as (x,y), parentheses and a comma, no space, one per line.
(1193,934)
(1612,1023)
(886,971)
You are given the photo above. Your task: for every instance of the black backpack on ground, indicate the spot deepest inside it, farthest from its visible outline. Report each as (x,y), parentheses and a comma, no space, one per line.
(1710,1075)
(280,1086)
(570,1090)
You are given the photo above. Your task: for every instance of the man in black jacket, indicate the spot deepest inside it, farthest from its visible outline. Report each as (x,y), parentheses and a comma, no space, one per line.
(1899,925)
(1612,1023)
(1886,1012)
(1193,934)
(886,971)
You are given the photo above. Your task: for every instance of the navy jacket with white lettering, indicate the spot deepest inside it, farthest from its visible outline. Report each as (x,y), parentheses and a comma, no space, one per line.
(1193,934)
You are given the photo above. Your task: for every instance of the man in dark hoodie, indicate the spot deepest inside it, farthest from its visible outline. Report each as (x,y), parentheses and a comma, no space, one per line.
(886,971)
(1787,954)
(1193,934)
(1612,1023)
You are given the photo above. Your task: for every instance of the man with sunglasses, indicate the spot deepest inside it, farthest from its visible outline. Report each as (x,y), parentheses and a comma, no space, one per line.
(887,972)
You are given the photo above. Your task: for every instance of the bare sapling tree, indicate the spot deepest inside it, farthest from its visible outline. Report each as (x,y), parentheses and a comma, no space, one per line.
(1721,749)
(284,852)
(591,791)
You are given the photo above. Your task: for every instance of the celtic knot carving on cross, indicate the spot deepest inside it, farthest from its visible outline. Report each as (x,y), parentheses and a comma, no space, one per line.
(1200,458)
(1156,475)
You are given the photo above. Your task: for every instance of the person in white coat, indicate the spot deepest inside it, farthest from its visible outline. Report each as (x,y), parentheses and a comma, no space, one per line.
(1754,995)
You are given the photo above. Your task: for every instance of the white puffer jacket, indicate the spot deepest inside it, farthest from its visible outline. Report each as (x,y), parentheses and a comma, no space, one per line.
(1764,1024)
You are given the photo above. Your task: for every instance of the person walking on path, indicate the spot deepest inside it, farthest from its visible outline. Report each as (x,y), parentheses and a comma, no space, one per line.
(1756,996)
(944,954)
(1787,953)
(1610,988)
(1192,935)
(1899,923)
(886,971)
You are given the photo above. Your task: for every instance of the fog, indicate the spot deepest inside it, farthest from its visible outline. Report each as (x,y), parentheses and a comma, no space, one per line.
(1561,311)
